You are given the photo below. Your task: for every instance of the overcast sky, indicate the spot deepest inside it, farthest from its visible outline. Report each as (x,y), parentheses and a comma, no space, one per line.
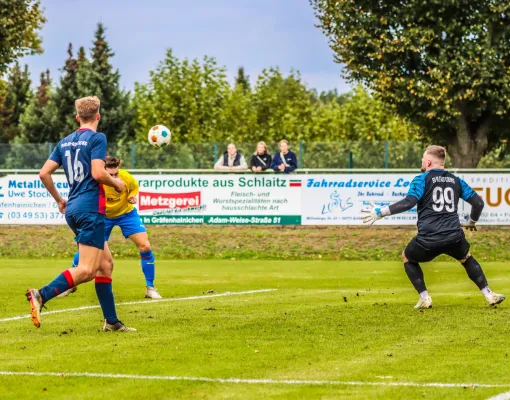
(253,33)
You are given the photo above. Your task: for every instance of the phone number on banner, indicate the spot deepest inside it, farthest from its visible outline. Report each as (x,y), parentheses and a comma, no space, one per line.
(32,215)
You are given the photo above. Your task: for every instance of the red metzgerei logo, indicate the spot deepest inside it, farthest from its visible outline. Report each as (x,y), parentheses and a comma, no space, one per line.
(172,201)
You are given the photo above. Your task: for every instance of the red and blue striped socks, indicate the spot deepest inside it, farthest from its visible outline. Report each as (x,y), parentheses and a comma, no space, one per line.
(58,285)
(105,295)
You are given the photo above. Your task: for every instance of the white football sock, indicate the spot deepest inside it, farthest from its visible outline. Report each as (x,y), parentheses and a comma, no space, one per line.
(424,295)
(486,291)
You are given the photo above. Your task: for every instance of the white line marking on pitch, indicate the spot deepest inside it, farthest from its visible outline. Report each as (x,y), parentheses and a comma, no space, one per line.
(249,381)
(144,302)
(501,396)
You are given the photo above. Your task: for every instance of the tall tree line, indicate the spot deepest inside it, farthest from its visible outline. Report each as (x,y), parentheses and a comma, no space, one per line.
(195,99)
(47,114)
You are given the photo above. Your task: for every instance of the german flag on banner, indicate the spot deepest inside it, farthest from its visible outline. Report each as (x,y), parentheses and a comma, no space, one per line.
(295,183)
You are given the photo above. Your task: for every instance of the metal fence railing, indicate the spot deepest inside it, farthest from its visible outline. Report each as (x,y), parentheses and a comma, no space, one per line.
(303,171)
(310,155)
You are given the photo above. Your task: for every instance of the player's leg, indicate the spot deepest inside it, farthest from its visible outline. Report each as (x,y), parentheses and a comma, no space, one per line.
(147,259)
(109,225)
(86,227)
(132,228)
(90,257)
(460,251)
(76,260)
(104,291)
(412,256)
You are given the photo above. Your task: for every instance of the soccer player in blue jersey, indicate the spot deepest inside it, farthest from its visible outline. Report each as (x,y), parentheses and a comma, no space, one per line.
(121,212)
(83,156)
(436,192)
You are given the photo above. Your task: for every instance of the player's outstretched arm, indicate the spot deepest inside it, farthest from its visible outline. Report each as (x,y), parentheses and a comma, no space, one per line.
(47,170)
(99,174)
(375,213)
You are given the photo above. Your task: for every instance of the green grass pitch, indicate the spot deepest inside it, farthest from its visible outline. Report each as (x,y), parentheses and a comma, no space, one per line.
(327,321)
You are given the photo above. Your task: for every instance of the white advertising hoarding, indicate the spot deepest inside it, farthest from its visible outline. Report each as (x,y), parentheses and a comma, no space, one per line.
(170,199)
(25,201)
(219,199)
(332,199)
(337,199)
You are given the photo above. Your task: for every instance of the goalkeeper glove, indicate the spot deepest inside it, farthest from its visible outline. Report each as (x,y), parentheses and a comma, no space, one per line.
(470,225)
(374,214)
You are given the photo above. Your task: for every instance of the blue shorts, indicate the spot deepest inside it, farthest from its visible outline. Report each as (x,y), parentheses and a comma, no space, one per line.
(129,224)
(89,228)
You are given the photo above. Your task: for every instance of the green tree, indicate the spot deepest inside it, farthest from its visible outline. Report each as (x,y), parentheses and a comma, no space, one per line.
(442,65)
(283,105)
(361,128)
(100,79)
(31,148)
(239,122)
(3,113)
(18,95)
(40,118)
(331,95)
(188,97)
(364,117)
(242,79)
(66,94)
(20,22)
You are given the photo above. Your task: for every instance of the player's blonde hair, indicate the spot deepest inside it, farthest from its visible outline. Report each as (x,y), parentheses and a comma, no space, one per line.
(438,152)
(258,144)
(87,108)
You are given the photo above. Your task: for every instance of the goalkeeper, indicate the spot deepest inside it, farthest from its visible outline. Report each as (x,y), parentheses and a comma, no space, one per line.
(436,192)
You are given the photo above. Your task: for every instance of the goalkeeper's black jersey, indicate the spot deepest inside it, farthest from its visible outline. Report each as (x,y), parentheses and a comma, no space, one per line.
(438,193)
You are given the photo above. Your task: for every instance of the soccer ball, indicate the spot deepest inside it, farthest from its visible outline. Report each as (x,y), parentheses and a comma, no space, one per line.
(159,136)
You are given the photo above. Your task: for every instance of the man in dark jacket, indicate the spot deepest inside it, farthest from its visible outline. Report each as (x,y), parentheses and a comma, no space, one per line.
(285,161)
(231,160)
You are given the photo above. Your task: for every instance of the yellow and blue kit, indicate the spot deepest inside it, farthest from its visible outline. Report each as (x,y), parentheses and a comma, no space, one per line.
(119,211)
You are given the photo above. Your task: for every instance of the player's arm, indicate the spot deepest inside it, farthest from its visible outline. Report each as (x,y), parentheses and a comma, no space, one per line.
(416,190)
(47,170)
(476,202)
(133,188)
(98,157)
(99,174)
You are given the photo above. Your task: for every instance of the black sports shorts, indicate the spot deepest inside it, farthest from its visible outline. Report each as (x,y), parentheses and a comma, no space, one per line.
(417,251)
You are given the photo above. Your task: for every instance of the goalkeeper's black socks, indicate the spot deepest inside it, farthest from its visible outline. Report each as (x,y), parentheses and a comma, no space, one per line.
(415,275)
(475,272)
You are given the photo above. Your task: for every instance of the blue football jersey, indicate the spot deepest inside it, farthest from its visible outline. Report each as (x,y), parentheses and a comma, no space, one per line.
(438,193)
(76,152)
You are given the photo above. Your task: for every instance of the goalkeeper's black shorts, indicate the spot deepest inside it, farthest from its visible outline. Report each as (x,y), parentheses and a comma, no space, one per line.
(418,251)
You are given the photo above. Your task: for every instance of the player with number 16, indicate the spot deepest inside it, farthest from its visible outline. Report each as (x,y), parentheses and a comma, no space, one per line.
(83,156)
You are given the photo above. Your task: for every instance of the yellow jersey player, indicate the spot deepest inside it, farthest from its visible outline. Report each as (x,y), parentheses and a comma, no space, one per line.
(121,212)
